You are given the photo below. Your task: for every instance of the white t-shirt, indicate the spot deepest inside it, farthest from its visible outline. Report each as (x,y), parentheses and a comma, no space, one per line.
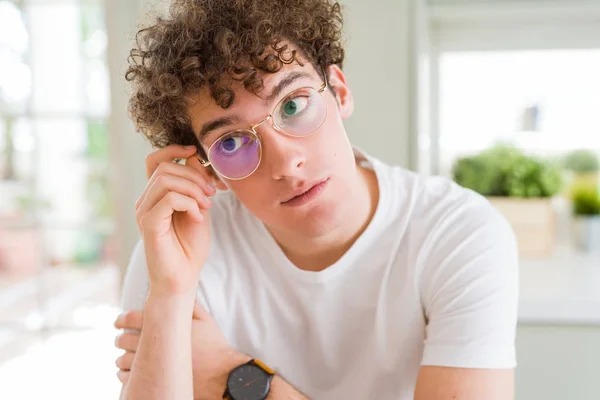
(433,280)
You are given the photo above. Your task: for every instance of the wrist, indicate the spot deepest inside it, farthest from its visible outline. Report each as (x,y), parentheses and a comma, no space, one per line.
(228,363)
(168,305)
(165,291)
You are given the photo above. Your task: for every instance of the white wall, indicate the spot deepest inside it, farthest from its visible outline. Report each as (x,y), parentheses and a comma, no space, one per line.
(127,148)
(383,67)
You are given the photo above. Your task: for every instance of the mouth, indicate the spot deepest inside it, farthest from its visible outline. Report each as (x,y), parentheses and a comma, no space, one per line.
(305,193)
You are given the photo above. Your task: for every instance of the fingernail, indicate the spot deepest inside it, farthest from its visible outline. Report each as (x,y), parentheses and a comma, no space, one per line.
(190,147)
(211,188)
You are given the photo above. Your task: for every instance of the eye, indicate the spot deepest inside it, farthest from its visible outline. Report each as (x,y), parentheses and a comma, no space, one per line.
(294,106)
(231,144)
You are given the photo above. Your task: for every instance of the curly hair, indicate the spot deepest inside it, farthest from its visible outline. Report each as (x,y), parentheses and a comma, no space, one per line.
(200,41)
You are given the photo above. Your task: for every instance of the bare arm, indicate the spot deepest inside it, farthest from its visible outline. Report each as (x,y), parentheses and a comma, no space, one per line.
(281,390)
(443,383)
(163,364)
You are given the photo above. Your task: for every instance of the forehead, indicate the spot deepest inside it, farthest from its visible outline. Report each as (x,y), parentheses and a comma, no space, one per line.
(204,107)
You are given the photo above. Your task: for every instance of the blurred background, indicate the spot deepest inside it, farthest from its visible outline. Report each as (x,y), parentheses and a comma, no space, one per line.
(502,96)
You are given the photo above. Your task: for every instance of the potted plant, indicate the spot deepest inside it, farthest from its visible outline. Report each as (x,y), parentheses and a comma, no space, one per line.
(582,167)
(586,211)
(521,187)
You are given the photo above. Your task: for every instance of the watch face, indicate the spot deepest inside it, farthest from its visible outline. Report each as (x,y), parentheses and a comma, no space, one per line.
(248,382)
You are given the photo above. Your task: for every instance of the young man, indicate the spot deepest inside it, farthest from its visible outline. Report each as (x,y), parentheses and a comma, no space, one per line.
(317,271)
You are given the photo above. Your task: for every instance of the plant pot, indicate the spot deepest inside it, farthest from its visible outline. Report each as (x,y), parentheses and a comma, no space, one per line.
(586,232)
(533,222)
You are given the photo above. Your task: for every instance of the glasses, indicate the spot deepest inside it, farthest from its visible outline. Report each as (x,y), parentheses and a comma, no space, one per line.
(237,154)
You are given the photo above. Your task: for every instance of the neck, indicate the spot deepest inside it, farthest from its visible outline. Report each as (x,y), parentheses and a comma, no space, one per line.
(316,254)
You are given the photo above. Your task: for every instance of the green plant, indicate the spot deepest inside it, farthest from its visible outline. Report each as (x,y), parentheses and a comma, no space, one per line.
(477,174)
(504,170)
(581,161)
(586,200)
(531,177)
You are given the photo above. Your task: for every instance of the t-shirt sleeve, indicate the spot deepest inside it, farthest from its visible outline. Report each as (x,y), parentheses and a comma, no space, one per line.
(469,288)
(136,282)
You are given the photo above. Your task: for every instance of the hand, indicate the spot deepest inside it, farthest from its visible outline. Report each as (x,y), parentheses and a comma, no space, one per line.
(212,356)
(173,219)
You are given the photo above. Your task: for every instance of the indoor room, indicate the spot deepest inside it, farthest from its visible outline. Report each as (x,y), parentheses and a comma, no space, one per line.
(497,98)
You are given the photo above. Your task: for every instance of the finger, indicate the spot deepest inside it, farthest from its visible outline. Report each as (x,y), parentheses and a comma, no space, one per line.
(200,312)
(165,208)
(129,320)
(123,376)
(184,171)
(169,183)
(125,361)
(192,171)
(168,153)
(127,341)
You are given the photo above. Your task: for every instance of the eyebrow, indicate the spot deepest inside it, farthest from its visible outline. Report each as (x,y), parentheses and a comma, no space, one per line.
(218,123)
(285,82)
(235,119)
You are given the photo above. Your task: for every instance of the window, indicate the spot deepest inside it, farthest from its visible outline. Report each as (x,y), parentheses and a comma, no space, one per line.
(545,101)
(56,218)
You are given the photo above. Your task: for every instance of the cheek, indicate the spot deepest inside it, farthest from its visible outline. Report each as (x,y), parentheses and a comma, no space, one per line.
(332,140)
(246,192)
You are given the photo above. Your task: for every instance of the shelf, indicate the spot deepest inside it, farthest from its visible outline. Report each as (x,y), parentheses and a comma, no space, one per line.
(563,289)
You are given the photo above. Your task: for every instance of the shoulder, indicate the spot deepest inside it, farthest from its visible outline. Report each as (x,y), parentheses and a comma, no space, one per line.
(447,212)
(438,213)
(459,216)
(449,227)
(468,246)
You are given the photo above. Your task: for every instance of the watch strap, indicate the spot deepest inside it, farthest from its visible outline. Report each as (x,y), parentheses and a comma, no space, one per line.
(270,371)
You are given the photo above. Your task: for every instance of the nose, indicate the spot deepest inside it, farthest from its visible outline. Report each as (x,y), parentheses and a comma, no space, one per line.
(283,155)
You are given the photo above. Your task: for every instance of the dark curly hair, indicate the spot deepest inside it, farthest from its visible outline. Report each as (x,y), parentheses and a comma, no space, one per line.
(200,41)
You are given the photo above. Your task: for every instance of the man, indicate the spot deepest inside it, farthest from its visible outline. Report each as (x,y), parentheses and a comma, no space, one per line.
(317,271)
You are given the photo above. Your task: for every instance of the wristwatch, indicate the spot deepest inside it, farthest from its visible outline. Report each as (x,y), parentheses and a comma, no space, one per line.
(251,380)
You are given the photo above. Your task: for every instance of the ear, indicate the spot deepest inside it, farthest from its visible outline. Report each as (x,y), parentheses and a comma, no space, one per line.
(343,95)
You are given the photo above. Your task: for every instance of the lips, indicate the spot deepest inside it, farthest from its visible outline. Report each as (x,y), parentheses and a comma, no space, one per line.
(303,192)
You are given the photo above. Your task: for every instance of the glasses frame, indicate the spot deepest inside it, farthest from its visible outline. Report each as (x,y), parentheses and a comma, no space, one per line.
(252,130)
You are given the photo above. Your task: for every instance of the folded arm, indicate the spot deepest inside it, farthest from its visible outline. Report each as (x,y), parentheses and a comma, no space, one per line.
(162,367)
(163,362)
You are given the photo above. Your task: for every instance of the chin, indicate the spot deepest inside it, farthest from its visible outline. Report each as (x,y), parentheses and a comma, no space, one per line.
(316,221)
